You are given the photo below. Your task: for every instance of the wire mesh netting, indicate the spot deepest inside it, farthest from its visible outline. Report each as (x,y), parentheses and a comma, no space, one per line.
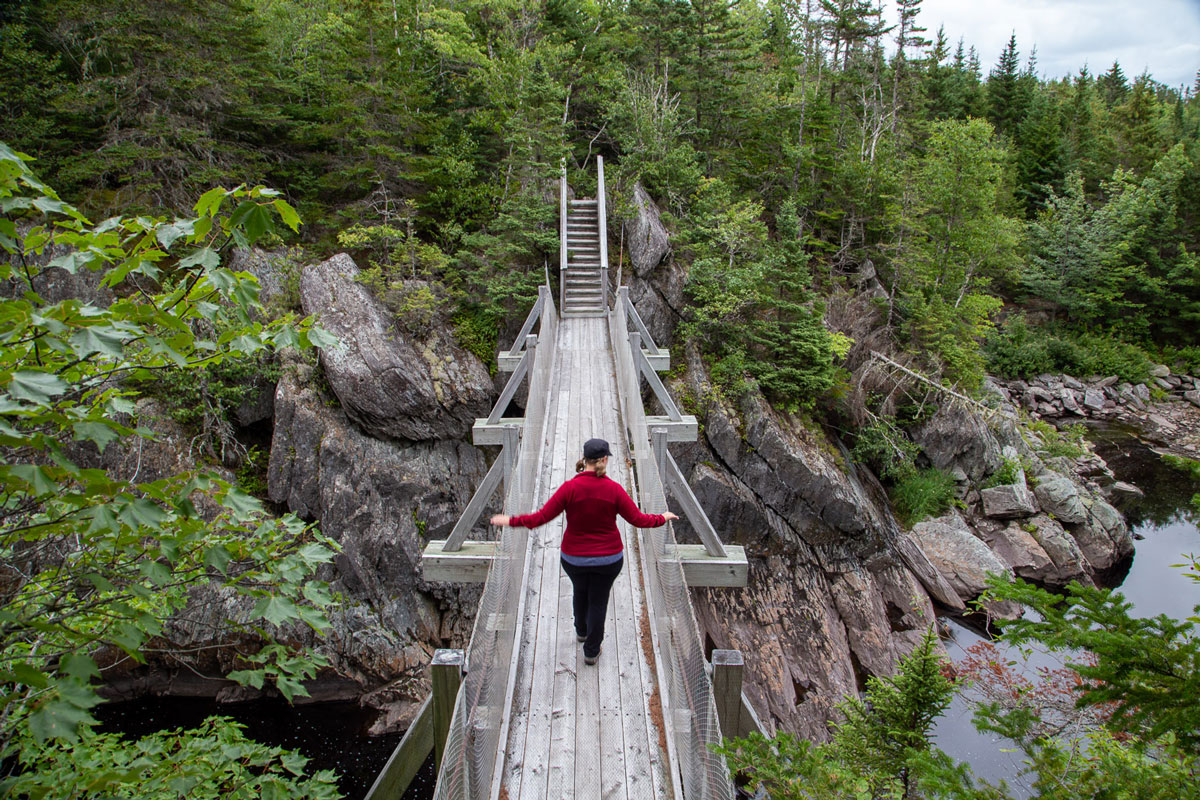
(689,710)
(473,752)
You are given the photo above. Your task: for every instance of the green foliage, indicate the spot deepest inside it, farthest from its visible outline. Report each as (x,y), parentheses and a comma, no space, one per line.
(214,760)
(1008,473)
(923,493)
(1146,669)
(882,445)
(752,310)
(873,749)
(1019,351)
(95,562)
(1066,442)
(958,242)
(477,333)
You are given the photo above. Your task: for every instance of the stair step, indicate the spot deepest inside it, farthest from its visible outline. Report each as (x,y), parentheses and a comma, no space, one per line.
(584,201)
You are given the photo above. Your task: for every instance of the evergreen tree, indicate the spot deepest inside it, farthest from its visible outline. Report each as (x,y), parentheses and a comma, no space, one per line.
(1006,100)
(1041,161)
(1112,85)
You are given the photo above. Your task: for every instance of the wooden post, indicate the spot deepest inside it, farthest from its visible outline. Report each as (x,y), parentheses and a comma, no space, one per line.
(727,690)
(447,672)
(512,440)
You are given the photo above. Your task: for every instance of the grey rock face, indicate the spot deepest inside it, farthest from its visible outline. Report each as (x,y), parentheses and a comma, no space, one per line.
(955,437)
(829,600)
(1059,496)
(1193,397)
(648,240)
(390,386)
(963,558)
(270,267)
(381,501)
(1008,502)
(1160,371)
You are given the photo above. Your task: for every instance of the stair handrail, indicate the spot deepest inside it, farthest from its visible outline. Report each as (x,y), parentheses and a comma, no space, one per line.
(602,229)
(562,237)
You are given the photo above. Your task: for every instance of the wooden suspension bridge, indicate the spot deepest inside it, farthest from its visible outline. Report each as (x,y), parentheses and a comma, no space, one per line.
(518,714)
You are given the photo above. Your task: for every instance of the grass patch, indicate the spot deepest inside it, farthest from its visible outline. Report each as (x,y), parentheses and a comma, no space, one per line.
(922,494)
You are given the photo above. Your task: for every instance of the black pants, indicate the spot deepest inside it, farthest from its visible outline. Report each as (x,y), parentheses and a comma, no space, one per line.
(592,586)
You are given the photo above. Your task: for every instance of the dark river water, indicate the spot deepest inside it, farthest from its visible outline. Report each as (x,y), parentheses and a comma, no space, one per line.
(332,735)
(1168,526)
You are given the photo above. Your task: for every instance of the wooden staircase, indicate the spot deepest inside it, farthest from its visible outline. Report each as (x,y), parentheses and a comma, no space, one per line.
(583,277)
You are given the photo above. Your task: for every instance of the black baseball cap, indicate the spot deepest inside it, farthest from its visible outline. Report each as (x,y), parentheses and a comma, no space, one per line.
(595,448)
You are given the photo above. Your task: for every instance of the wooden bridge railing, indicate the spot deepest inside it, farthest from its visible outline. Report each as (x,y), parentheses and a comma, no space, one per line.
(689,710)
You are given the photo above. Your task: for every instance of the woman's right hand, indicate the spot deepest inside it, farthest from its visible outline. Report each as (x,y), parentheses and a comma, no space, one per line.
(501,520)
(669,516)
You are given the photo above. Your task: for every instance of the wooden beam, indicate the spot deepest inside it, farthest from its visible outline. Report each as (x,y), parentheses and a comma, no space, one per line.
(469,563)
(447,671)
(514,381)
(684,429)
(660,361)
(408,757)
(700,569)
(632,314)
(656,384)
(484,432)
(478,502)
(727,667)
(673,480)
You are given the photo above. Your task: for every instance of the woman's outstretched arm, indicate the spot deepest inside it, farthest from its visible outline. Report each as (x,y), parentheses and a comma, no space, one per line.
(554,506)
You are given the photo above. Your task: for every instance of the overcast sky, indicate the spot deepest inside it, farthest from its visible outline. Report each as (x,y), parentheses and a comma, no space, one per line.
(1162,36)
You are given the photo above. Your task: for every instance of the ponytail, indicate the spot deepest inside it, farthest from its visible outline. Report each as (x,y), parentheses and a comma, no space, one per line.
(594,463)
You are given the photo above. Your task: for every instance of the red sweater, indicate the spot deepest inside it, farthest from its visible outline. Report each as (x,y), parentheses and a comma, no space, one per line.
(592,503)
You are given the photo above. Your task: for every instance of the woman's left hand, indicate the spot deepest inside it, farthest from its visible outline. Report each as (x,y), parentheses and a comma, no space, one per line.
(501,520)
(669,516)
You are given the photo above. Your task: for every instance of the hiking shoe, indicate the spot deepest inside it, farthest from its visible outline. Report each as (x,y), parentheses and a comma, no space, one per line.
(590,660)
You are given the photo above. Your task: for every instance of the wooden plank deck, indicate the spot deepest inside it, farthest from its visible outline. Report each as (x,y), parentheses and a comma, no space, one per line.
(579,731)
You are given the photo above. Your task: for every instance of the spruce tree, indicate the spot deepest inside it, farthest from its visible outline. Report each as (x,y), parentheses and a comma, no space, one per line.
(1006,107)
(1113,86)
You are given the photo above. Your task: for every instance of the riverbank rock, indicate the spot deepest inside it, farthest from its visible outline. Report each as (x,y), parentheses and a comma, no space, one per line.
(1059,497)
(392,387)
(956,438)
(1168,417)
(963,558)
(1008,501)
(1103,537)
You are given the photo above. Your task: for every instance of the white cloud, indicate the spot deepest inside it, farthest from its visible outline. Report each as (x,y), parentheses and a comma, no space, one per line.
(1159,36)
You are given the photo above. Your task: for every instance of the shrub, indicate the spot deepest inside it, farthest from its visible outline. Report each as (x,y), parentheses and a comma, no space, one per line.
(477,332)
(923,493)
(1018,351)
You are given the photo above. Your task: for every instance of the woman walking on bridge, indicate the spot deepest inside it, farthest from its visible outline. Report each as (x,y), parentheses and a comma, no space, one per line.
(592,551)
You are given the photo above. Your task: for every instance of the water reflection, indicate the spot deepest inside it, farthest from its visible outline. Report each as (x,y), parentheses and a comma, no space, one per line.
(1167,528)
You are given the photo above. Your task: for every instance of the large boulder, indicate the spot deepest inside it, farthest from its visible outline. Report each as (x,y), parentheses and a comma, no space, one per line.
(1059,496)
(957,437)
(1008,501)
(958,554)
(648,239)
(1103,537)
(390,386)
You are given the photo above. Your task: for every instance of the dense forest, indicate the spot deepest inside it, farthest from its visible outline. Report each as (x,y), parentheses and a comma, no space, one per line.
(1018,224)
